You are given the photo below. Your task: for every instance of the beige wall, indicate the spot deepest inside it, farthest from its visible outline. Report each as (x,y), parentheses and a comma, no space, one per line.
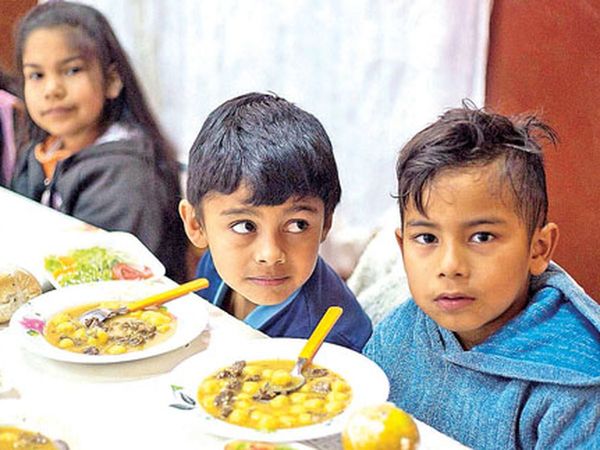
(545,57)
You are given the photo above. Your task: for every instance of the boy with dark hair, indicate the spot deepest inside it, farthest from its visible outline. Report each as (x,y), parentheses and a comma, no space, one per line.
(498,347)
(261,191)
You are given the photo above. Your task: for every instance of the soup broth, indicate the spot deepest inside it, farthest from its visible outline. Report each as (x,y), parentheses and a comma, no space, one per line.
(242,395)
(13,438)
(124,333)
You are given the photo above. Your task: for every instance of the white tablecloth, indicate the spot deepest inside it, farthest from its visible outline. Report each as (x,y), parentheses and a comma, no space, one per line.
(108,406)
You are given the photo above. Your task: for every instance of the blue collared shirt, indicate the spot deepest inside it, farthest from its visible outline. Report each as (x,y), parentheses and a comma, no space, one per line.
(299,314)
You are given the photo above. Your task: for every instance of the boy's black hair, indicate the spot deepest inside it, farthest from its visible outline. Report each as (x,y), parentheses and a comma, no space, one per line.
(471,137)
(266,142)
(96,38)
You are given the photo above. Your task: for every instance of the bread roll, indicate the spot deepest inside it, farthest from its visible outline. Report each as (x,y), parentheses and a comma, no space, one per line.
(17,286)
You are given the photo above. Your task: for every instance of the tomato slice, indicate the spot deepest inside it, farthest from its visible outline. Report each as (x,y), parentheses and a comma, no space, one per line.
(122,271)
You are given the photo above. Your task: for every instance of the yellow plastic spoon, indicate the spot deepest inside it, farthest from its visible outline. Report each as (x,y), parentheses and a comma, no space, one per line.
(309,350)
(98,315)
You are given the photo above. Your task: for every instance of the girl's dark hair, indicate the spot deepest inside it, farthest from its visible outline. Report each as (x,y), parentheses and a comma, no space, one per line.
(8,82)
(471,137)
(97,38)
(278,149)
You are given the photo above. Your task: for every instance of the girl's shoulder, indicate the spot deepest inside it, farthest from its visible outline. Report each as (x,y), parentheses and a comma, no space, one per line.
(118,142)
(120,132)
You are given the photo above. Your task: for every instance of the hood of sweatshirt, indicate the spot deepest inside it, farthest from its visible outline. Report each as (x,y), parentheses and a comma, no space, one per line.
(555,339)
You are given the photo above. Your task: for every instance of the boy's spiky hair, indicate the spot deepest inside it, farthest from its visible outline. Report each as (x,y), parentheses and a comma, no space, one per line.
(471,137)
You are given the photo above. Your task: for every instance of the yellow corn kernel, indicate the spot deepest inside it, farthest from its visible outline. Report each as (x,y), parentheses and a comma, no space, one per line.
(155,318)
(297,409)
(256,415)
(242,404)
(80,334)
(238,415)
(337,396)
(298,397)
(250,387)
(305,418)
(92,341)
(267,422)
(65,327)
(250,370)
(163,328)
(61,317)
(244,396)
(281,377)
(207,401)
(102,336)
(314,404)
(280,401)
(116,349)
(287,421)
(65,343)
(334,407)
(305,388)
(210,386)
(339,386)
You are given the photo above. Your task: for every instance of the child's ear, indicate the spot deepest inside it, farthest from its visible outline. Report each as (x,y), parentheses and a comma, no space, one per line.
(543,244)
(193,228)
(326,227)
(114,84)
(399,238)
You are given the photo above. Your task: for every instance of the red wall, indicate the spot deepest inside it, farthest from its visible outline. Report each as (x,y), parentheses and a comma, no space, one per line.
(12,10)
(544,57)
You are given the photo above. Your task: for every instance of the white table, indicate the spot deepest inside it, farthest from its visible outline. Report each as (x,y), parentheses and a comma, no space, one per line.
(74,393)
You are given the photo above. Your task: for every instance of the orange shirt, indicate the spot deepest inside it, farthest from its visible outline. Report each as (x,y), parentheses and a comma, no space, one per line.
(48,153)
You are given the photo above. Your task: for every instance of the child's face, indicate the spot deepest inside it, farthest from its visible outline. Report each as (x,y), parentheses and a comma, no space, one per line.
(469,260)
(64,91)
(264,253)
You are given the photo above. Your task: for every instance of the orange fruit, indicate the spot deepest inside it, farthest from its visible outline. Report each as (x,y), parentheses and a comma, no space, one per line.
(383,426)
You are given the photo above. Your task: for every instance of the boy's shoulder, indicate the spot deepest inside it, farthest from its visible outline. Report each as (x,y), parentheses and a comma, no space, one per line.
(323,289)
(555,339)
(326,288)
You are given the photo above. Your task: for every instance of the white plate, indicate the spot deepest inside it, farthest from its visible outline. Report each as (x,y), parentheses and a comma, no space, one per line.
(126,244)
(288,445)
(28,321)
(27,416)
(368,382)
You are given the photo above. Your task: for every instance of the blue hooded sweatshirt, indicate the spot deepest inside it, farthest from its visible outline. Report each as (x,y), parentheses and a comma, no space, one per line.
(534,384)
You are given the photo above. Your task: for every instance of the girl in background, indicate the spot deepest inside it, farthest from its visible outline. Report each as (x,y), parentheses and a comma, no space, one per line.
(11,109)
(95,151)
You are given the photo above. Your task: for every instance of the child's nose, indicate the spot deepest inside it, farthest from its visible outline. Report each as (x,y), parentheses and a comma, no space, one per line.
(53,87)
(269,250)
(453,261)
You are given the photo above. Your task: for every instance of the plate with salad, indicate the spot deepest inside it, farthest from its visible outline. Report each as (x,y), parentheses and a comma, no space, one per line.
(91,256)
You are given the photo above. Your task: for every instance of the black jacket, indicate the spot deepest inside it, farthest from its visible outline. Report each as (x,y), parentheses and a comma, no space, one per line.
(115,186)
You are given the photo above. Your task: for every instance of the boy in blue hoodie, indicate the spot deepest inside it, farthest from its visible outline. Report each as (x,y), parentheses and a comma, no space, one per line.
(498,347)
(261,191)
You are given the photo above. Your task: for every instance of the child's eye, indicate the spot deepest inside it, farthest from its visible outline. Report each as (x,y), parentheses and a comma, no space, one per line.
(243,227)
(425,238)
(34,75)
(297,226)
(73,70)
(483,237)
